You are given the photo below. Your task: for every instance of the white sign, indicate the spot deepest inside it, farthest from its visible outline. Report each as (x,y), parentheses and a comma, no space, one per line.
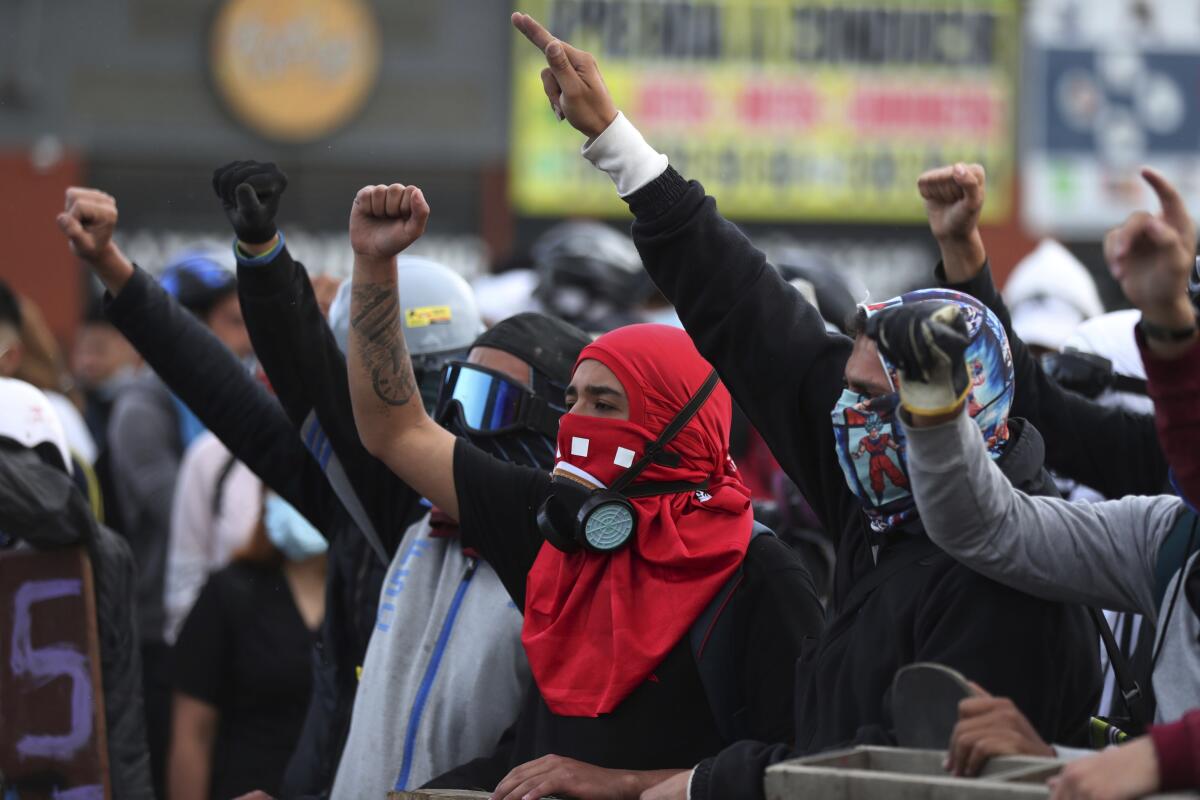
(1111,85)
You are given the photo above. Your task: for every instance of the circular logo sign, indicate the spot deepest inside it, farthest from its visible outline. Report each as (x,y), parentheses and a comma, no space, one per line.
(295,70)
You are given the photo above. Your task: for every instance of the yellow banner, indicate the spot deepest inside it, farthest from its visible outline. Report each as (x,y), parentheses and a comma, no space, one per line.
(784,109)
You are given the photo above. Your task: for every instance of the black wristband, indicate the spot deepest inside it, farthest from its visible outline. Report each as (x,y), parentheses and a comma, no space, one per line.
(1161,334)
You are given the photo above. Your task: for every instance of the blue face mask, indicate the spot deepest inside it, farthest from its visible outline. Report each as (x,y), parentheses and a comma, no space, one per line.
(290,531)
(871,452)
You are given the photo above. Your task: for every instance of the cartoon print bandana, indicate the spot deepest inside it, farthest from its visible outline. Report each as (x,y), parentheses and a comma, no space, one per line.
(871,447)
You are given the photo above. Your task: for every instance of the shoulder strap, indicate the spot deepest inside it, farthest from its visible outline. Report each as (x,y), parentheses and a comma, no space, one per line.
(1174,552)
(1127,684)
(712,641)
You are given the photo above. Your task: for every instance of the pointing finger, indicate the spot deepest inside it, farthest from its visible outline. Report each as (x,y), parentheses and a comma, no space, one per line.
(533,30)
(1174,210)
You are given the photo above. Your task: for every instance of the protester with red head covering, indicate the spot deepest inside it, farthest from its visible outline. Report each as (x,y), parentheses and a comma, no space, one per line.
(597,624)
(658,627)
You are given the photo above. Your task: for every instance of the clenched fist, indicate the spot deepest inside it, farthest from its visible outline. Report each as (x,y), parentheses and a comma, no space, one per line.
(572,80)
(88,221)
(927,341)
(953,199)
(385,220)
(250,192)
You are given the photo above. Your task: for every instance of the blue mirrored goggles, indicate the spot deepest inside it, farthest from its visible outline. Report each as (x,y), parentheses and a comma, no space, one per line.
(490,402)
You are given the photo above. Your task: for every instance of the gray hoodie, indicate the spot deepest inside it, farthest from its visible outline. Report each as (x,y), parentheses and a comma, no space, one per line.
(1102,554)
(444,673)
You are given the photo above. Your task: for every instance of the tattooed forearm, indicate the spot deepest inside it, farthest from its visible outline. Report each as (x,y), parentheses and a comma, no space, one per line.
(376,320)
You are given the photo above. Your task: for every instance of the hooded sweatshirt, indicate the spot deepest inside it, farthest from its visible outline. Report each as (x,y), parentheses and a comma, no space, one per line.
(1050,292)
(1104,554)
(444,673)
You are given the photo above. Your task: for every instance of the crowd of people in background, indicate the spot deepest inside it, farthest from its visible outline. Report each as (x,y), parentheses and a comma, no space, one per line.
(640,521)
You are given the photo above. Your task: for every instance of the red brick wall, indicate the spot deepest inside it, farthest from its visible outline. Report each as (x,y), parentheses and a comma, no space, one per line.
(34,258)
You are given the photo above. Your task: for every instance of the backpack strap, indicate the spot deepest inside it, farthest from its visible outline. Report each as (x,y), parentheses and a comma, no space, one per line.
(1127,684)
(712,637)
(1174,553)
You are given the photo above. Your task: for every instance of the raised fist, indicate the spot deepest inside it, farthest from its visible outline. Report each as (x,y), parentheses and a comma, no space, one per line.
(572,80)
(88,220)
(1153,256)
(250,193)
(953,199)
(927,342)
(384,220)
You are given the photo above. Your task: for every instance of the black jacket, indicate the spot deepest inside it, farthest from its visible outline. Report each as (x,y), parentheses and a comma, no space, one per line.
(45,507)
(1081,435)
(257,430)
(773,353)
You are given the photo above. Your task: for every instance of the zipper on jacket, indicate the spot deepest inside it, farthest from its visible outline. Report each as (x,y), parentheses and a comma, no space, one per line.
(414,717)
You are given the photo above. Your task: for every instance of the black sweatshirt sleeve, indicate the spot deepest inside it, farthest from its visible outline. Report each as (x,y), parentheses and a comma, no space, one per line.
(210,380)
(767,343)
(294,344)
(1081,435)
(737,771)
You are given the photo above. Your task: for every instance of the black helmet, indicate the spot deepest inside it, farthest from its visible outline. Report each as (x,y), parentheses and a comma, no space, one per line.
(588,272)
(829,291)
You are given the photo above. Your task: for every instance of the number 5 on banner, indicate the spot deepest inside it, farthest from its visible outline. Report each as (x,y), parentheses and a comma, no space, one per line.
(44,664)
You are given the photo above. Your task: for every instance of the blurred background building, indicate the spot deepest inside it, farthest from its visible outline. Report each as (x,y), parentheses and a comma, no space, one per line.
(808,119)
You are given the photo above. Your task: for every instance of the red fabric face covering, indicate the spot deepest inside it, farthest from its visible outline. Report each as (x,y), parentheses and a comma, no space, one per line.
(597,625)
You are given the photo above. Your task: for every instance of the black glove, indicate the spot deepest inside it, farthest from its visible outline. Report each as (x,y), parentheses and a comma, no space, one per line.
(927,342)
(250,193)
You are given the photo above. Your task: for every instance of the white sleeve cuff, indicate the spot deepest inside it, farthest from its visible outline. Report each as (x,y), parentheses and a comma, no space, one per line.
(625,155)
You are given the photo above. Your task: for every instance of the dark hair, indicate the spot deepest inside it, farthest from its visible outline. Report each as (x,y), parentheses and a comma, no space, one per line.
(10,307)
(856,322)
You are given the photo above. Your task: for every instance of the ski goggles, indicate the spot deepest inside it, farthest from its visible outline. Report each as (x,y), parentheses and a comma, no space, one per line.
(1088,374)
(489,402)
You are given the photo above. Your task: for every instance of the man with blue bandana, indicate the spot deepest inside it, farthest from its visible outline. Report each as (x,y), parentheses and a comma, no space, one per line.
(897,598)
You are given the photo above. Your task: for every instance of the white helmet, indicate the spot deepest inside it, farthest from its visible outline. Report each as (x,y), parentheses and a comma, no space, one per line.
(438,309)
(28,420)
